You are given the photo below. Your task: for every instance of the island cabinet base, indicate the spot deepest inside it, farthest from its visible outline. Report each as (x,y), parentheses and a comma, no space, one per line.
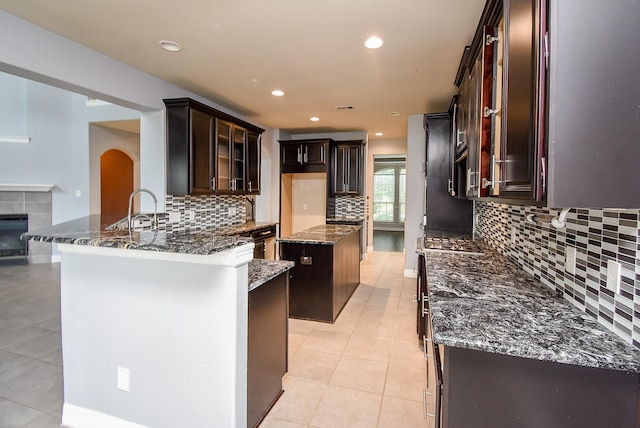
(267,349)
(483,389)
(324,277)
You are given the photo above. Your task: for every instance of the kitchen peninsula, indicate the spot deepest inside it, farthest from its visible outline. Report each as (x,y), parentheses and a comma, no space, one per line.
(154,324)
(327,270)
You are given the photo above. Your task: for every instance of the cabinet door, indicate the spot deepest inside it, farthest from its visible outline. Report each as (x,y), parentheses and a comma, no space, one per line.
(253,163)
(473,131)
(291,154)
(223,156)
(520,150)
(202,162)
(353,165)
(314,154)
(238,160)
(339,185)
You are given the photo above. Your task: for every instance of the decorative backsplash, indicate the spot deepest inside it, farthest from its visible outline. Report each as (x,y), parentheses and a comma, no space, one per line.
(350,206)
(598,235)
(203,212)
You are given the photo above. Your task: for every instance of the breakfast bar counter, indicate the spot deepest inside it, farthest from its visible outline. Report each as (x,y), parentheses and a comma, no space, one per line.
(154,325)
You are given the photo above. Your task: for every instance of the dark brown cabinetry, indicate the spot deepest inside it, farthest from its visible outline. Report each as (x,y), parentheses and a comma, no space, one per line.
(304,156)
(553,116)
(347,166)
(254,154)
(210,152)
(324,278)
(267,347)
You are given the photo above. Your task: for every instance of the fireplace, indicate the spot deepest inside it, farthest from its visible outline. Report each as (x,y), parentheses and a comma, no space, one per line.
(12,249)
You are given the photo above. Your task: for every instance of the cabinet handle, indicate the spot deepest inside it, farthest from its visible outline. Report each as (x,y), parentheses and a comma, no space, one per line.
(306,155)
(299,156)
(425,311)
(249,186)
(415,298)
(543,173)
(459,141)
(492,182)
(213,184)
(488,112)
(450,188)
(322,153)
(424,343)
(468,180)
(425,405)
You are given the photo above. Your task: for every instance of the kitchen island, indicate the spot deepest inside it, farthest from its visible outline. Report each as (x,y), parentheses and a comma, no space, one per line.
(512,352)
(327,270)
(154,325)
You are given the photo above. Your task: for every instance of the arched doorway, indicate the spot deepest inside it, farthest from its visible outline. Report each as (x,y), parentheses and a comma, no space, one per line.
(116,182)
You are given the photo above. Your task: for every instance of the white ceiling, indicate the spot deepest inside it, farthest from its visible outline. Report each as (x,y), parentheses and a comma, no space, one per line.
(235,52)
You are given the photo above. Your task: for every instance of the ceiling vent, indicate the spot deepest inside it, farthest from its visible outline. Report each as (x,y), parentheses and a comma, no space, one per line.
(344,107)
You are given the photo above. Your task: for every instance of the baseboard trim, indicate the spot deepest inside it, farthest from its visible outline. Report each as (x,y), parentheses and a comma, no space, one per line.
(410,273)
(80,417)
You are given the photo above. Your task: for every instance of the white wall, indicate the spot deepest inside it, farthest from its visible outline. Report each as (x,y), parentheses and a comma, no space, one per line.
(40,55)
(379,147)
(415,188)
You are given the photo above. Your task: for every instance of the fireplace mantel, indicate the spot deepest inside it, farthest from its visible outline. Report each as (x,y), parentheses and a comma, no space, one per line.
(11,187)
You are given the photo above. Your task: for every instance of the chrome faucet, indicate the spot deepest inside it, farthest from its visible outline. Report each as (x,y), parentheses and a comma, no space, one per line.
(130,218)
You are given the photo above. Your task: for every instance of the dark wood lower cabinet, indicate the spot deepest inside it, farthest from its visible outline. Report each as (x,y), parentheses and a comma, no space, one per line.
(267,347)
(489,390)
(324,277)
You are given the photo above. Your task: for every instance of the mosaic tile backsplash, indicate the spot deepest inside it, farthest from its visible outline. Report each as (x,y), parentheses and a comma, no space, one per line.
(204,212)
(350,206)
(598,236)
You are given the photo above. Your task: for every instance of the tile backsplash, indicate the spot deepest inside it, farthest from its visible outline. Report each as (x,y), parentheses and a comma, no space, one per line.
(598,235)
(204,212)
(350,206)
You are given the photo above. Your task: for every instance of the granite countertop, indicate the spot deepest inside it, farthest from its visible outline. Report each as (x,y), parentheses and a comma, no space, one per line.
(238,229)
(487,303)
(262,271)
(344,219)
(90,230)
(325,234)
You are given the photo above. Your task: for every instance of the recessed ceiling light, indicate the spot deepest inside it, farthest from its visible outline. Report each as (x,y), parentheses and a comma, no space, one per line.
(314,119)
(373,42)
(394,113)
(379,134)
(170,46)
(277,93)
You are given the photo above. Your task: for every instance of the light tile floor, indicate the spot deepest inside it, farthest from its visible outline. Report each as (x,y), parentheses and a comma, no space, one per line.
(365,370)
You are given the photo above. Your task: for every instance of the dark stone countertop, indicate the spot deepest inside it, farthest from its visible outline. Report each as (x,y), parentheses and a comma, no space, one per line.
(262,271)
(90,231)
(238,229)
(345,220)
(325,234)
(487,303)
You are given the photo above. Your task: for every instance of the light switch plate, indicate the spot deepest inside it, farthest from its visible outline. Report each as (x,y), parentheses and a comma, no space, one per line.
(123,379)
(613,275)
(570,260)
(513,235)
(174,217)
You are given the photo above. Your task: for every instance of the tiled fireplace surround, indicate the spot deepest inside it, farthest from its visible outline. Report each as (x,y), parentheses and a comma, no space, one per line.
(598,235)
(37,205)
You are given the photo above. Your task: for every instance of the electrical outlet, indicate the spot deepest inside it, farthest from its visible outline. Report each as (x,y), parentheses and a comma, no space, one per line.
(232,211)
(304,207)
(513,235)
(570,261)
(613,275)
(349,207)
(191,214)
(123,379)
(174,217)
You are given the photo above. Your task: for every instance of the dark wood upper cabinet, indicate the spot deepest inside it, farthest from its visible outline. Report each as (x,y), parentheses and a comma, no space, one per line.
(210,152)
(254,148)
(347,159)
(556,118)
(299,156)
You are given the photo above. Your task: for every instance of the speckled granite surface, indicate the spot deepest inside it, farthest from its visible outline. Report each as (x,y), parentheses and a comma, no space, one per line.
(344,219)
(261,271)
(486,303)
(238,229)
(91,231)
(325,234)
